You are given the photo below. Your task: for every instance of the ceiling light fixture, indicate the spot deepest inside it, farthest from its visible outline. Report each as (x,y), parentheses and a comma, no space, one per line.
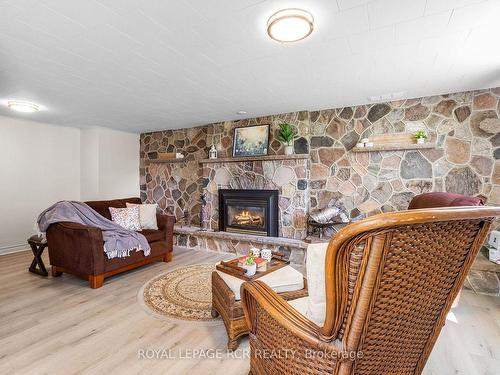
(290,25)
(241,112)
(22,106)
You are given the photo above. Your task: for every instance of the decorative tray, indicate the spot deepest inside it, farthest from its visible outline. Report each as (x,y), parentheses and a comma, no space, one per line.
(233,268)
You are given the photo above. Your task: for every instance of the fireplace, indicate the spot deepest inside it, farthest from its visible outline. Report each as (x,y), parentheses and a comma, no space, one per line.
(249,211)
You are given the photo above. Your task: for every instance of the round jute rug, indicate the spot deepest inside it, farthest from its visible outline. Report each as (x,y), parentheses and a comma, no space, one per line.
(184,293)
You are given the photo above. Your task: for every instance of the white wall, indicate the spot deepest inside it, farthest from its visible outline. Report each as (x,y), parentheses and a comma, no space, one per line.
(109,164)
(118,164)
(89,164)
(41,164)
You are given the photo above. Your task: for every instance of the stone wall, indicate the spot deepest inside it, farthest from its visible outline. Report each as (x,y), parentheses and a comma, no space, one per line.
(466,127)
(175,187)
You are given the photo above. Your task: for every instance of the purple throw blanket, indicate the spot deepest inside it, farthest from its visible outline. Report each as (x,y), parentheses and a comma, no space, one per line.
(118,241)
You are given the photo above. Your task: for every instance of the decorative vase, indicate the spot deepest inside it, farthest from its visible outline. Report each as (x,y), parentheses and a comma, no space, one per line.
(420,141)
(251,269)
(288,150)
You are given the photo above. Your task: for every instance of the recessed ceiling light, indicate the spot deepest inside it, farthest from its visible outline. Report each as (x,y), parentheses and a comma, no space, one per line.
(241,112)
(290,25)
(22,106)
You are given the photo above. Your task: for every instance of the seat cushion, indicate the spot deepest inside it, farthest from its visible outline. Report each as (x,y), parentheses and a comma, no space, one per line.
(153,235)
(286,279)
(315,268)
(302,306)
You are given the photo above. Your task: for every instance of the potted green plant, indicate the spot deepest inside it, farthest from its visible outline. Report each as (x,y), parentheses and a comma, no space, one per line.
(286,135)
(420,136)
(250,265)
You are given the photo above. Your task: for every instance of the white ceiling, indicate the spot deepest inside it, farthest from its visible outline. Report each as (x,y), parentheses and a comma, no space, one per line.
(141,65)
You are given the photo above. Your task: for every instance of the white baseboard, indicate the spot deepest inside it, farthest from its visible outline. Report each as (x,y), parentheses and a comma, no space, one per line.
(13,248)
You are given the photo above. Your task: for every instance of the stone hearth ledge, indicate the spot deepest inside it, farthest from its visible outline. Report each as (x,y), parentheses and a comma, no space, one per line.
(274,241)
(196,238)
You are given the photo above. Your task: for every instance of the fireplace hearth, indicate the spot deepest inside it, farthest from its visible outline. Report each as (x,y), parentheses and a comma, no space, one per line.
(249,211)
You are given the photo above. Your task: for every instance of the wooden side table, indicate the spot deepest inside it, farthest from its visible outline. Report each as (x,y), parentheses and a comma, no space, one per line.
(38,244)
(231,311)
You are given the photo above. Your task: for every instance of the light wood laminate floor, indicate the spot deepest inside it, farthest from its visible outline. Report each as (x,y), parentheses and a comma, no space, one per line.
(61,326)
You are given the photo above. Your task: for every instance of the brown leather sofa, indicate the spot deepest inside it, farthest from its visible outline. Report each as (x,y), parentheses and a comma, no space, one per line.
(78,249)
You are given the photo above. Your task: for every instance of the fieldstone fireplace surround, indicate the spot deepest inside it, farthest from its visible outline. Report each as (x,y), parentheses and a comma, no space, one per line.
(466,160)
(276,173)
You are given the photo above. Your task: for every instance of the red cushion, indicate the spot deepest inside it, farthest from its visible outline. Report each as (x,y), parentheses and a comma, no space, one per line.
(467,201)
(439,199)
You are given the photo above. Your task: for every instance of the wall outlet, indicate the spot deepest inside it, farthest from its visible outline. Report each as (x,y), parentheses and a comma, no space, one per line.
(494,240)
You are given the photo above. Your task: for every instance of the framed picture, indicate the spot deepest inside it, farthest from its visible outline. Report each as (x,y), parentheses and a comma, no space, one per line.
(251,140)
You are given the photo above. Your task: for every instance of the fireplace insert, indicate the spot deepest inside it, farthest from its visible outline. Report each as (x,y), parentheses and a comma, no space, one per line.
(249,211)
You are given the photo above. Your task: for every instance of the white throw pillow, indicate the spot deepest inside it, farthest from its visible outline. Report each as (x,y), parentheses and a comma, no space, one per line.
(147,215)
(128,218)
(315,268)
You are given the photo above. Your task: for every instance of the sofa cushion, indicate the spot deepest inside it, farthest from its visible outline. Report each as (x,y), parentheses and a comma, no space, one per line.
(153,235)
(102,207)
(315,268)
(147,215)
(128,218)
(286,279)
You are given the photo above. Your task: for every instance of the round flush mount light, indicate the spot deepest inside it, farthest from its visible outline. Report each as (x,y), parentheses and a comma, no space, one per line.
(290,25)
(241,112)
(23,106)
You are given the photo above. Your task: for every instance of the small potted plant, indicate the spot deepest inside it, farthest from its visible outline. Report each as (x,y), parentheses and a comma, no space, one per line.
(250,265)
(286,135)
(420,136)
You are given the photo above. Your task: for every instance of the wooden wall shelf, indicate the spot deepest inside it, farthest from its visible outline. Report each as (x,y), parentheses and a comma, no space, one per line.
(398,147)
(183,160)
(255,158)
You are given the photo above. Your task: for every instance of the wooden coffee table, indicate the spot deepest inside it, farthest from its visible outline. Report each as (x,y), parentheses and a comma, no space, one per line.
(231,311)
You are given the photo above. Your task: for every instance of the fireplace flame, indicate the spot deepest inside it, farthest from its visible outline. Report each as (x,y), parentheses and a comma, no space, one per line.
(246,218)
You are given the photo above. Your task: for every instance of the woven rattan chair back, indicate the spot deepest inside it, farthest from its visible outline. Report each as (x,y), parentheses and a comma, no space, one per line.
(401,285)
(390,281)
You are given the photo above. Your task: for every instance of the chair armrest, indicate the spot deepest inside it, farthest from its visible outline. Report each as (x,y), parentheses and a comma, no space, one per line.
(276,326)
(77,247)
(258,293)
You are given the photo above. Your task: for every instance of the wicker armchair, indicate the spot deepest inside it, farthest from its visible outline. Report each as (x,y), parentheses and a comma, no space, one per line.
(390,281)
